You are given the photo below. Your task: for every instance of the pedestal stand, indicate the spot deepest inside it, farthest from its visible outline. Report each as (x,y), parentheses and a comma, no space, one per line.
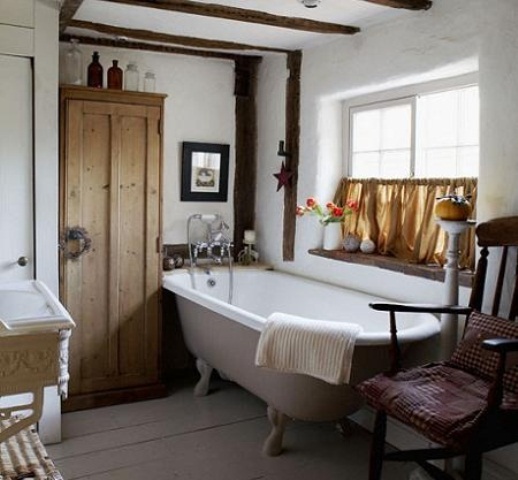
(451,283)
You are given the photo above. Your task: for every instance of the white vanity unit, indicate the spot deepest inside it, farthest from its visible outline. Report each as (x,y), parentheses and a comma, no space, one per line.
(34,335)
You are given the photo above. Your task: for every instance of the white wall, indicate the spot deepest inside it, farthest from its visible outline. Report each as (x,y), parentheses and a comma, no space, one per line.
(499,116)
(46,155)
(455,37)
(418,47)
(200,107)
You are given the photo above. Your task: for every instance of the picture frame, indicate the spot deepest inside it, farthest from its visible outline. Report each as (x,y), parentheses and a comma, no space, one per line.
(204,172)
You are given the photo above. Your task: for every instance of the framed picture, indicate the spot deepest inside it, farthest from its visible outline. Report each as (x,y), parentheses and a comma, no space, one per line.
(204,172)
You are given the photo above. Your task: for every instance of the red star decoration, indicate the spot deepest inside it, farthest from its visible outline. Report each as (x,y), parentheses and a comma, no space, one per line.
(283,177)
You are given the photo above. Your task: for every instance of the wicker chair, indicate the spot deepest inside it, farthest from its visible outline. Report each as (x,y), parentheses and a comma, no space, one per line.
(467,405)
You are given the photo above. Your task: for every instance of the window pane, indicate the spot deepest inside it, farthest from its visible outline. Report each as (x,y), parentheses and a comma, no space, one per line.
(395,164)
(437,121)
(381,141)
(438,162)
(396,127)
(366,131)
(448,133)
(366,165)
(467,161)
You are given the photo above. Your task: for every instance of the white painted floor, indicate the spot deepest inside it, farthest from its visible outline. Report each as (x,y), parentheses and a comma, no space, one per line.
(218,437)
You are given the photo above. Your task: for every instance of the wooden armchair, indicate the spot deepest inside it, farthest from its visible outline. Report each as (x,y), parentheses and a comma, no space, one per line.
(467,405)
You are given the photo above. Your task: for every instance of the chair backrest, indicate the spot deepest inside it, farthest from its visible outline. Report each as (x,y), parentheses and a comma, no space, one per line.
(499,232)
(470,355)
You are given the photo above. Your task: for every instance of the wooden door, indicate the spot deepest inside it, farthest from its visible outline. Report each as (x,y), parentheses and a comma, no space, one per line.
(111,189)
(16,211)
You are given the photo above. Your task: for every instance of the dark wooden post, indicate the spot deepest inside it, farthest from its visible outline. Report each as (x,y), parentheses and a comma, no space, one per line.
(246,147)
(294,62)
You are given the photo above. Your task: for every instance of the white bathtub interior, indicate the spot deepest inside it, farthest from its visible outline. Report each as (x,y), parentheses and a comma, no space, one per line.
(30,308)
(304,297)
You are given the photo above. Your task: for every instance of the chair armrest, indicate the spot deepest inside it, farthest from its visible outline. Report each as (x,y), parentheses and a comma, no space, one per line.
(420,308)
(501,345)
(393,308)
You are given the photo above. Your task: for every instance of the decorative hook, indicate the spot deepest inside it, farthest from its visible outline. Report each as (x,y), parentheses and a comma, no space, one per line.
(281,152)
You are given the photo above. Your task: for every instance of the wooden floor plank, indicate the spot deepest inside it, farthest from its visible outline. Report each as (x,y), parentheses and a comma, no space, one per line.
(218,437)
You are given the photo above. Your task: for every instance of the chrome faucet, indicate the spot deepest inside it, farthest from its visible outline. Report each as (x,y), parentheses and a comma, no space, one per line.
(216,245)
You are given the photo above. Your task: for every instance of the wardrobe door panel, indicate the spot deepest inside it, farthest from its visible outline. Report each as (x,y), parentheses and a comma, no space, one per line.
(111,163)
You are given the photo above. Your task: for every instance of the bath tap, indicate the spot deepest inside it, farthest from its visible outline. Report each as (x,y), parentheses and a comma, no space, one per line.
(224,246)
(215,239)
(199,247)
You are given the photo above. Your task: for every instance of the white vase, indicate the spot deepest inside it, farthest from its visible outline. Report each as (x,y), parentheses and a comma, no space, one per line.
(333,236)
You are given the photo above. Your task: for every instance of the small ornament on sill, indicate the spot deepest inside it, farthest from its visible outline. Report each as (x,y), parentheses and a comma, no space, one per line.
(351,243)
(283,177)
(367,246)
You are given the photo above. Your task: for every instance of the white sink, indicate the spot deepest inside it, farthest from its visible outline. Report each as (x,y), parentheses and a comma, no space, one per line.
(34,336)
(29,306)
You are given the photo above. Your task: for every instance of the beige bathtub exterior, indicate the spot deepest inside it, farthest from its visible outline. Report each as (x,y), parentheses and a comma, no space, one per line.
(229,347)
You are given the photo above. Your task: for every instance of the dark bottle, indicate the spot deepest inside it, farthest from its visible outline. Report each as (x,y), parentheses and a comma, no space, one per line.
(95,72)
(115,76)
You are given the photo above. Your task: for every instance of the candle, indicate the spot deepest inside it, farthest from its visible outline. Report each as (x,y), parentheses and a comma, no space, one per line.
(250,236)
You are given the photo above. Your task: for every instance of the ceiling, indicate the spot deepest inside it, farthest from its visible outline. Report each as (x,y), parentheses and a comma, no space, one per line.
(230,26)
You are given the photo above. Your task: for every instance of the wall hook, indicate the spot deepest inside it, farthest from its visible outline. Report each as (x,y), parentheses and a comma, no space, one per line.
(281,152)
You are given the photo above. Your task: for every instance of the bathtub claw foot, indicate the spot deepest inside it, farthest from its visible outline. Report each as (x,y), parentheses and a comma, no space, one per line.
(273,444)
(202,387)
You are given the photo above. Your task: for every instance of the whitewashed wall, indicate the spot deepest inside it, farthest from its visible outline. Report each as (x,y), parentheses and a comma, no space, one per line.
(46,157)
(200,107)
(455,37)
(418,47)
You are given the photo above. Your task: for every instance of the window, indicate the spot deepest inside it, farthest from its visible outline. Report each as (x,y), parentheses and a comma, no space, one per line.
(427,135)
(404,153)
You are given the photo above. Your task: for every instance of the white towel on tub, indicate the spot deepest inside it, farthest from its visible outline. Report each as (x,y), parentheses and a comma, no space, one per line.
(319,348)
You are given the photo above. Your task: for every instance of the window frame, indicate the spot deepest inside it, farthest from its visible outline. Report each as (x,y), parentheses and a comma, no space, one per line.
(395,96)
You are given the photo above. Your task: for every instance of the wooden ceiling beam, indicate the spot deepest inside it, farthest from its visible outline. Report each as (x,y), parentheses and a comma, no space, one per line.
(131,45)
(406,4)
(244,15)
(149,36)
(67,12)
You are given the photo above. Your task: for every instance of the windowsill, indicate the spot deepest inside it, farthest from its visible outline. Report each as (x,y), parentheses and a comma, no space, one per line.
(435,273)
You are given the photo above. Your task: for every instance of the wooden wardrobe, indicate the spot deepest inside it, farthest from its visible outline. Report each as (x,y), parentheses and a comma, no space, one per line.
(110,262)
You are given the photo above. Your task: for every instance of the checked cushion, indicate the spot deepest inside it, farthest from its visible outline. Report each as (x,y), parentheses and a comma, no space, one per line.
(440,401)
(446,401)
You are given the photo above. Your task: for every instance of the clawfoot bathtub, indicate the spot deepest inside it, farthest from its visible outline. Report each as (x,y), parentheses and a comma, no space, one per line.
(225,336)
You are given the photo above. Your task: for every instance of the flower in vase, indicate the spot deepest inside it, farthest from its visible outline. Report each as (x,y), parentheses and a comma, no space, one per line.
(331,213)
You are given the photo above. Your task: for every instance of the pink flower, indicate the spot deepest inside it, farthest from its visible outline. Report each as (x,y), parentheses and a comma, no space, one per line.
(353,204)
(300,210)
(311,202)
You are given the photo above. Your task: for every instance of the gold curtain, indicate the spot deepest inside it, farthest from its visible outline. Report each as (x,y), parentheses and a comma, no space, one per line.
(398,215)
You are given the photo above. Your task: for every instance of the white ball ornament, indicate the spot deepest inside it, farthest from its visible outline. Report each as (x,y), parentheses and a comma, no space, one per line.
(367,246)
(351,243)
